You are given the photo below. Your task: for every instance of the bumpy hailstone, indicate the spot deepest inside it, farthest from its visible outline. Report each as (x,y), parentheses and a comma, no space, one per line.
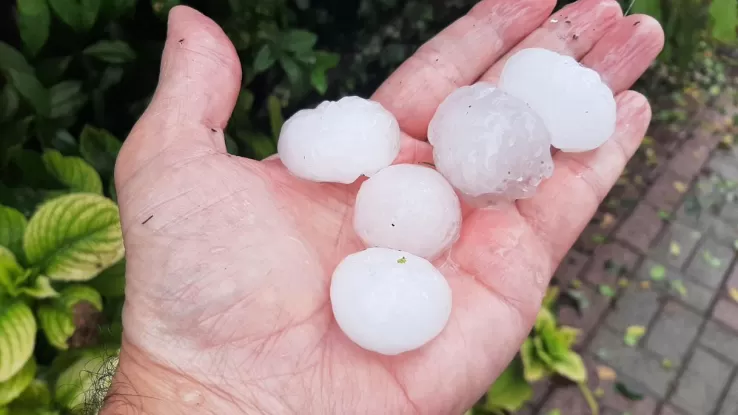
(490,145)
(577,107)
(339,141)
(410,208)
(389,301)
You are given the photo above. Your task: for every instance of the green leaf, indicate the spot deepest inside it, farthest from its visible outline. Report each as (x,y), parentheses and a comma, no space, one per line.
(73,172)
(161,7)
(571,367)
(75,294)
(658,272)
(261,145)
(57,324)
(264,59)
(724,15)
(36,395)
(17,337)
(231,145)
(549,300)
(326,60)
(34,19)
(628,392)
(292,69)
(111,283)
(510,391)
(649,7)
(13,387)
(91,373)
(568,335)
(299,40)
(40,289)
(533,368)
(74,237)
(111,76)
(111,51)
(678,286)
(556,344)
(80,15)
(11,59)
(29,87)
(541,351)
(9,102)
(711,260)
(12,227)
(606,291)
(10,272)
(99,148)
(633,334)
(275,115)
(66,99)
(545,320)
(318,80)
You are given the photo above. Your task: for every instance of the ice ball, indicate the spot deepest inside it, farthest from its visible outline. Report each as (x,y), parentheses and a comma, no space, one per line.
(490,145)
(389,301)
(576,106)
(408,207)
(339,141)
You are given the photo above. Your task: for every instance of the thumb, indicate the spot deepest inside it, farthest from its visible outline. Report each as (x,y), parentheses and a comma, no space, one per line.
(199,82)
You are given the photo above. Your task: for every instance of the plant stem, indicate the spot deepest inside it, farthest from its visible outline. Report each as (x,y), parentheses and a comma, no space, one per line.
(591,401)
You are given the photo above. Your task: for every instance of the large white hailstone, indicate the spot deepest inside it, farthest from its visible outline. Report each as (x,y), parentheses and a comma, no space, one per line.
(410,208)
(490,145)
(577,107)
(339,141)
(389,301)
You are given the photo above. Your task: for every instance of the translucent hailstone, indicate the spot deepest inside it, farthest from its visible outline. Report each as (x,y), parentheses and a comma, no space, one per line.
(339,141)
(577,107)
(389,301)
(490,145)
(408,207)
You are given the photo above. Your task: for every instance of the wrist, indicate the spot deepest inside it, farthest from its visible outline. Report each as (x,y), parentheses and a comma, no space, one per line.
(143,387)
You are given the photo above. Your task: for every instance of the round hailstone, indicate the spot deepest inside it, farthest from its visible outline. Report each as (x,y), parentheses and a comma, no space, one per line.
(490,145)
(408,207)
(339,141)
(389,301)
(577,107)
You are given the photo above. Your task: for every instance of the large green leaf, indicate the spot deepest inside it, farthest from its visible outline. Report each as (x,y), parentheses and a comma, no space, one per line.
(12,227)
(10,271)
(9,102)
(57,324)
(556,344)
(75,294)
(40,289)
(298,40)
(111,282)
(510,391)
(73,172)
(94,368)
(99,148)
(17,337)
(30,88)
(571,367)
(724,14)
(545,320)
(66,99)
(11,59)
(34,20)
(13,387)
(533,368)
(74,237)
(111,51)
(80,15)
(649,7)
(36,395)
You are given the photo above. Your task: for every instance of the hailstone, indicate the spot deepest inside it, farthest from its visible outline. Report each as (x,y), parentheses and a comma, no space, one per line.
(408,207)
(576,105)
(389,301)
(490,145)
(339,141)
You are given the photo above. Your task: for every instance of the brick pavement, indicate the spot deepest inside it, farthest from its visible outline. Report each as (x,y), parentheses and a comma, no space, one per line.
(687,362)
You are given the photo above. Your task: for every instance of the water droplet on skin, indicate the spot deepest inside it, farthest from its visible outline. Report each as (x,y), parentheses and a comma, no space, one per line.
(217,250)
(191,397)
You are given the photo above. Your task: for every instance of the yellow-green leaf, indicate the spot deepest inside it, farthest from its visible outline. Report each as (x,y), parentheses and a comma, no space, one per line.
(75,294)
(10,271)
(111,283)
(658,272)
(678,286)
(533,368)
(545,319)
(36,395)
(74,237)
(40,289)
(510,391)
(724,14)
(633,334)
(17,337)
(12,227)
(571,367)
(568,335)
(552,294)
(675,249)
(57,324)
(733,293)
(73,172)
(77,380)
(13,387)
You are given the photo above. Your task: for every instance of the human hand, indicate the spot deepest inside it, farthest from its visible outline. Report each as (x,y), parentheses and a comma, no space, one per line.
(229,260)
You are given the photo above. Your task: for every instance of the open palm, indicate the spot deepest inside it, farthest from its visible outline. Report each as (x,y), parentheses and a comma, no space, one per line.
(229,259)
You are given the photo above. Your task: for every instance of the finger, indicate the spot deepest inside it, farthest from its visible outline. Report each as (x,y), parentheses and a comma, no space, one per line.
(456,57)
(572,31)
(565,203)
(199,82)
(626,51)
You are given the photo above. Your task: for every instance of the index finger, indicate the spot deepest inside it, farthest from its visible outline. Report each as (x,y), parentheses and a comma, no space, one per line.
(456,57)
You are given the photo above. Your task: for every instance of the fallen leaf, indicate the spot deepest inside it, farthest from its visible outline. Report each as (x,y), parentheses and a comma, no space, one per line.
(638,180)
(598,393)
(680,187)
(628,392)
(402,260)
(647,141)
(733,293)
(728,140)
(554,412)
(633,334)
(651,158)
(667,364)
(598,238)
(606,373)
(575,283)
(675,249)
(607,291)
(623,282)
(645,285)
(664,214)
(658,272)
(607,220)
(711,259)
(678,286)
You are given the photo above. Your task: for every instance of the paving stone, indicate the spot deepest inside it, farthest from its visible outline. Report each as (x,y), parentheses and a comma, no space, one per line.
(726,311)
(710,263)
(698,296)
(641,228)
(673,332)
(730,404)
(587,321)
(725,165)
(686,238)
(663,195)
(690,158)
(571,266)
(693,214)
(632,363)
(701,384)
(729,212)
(670,410)
(610,261)
(635,306)
(732,278)
(721,340)
(568,399)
